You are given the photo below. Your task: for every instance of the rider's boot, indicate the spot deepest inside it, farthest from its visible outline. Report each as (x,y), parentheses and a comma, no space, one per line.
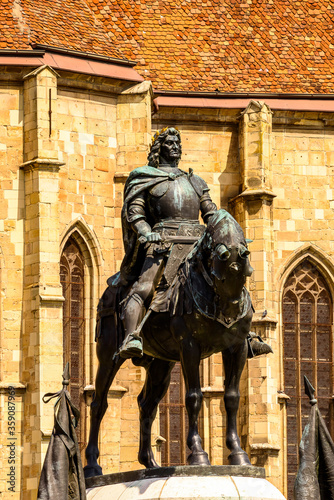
(256,346)
(132,345)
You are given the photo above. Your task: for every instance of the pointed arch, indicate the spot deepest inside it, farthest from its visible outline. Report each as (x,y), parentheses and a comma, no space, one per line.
(72,280)
(84,236)
(325,265)
(81,269)
(317,256)
(86,239)
(306,340)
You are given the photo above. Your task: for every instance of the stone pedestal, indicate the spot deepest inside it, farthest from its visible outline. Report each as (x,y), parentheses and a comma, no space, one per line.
(185,483)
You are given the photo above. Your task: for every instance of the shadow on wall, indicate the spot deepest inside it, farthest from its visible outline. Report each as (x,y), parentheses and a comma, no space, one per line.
(230,177)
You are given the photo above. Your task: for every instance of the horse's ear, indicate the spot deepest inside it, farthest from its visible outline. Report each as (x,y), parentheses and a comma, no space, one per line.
(222,252)
(243,251)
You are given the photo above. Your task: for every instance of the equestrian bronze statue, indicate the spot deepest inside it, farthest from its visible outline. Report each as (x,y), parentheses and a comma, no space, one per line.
(179,296)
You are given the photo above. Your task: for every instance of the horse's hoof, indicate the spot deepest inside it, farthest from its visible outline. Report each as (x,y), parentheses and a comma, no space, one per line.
(200,458)
(148,462)
(151,464)
(239,458)
(92,471)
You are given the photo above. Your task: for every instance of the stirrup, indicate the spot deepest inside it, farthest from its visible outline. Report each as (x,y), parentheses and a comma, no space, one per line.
(132,347)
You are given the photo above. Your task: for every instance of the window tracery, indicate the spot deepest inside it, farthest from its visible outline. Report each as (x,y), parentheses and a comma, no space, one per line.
(308,350)
(72,280)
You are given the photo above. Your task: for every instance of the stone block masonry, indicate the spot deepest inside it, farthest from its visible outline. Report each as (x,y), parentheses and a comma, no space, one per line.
(65,153)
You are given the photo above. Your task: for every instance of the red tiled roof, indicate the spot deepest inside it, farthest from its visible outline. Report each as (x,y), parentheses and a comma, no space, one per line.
(272,46)
(67,24)
(226,45)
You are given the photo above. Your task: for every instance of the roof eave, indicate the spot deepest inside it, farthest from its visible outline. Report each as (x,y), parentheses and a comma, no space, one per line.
(74,63)
(304,103)
(240,95)
(85,55)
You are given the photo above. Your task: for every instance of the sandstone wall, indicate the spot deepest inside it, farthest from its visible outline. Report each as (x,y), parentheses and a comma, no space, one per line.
(11,277)
(62,174)
(62,169)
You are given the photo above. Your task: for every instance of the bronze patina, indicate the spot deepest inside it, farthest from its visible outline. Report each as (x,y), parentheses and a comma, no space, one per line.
(62,476)
(315,477)
(179,296)
(161,204)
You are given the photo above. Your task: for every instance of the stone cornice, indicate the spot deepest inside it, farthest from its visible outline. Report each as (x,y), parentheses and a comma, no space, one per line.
(254,194)
(211,392)
(114,389)
(42,164)
(51,298)
(17,386)
(282,398)
(259,448)
(121,176)
(268,319)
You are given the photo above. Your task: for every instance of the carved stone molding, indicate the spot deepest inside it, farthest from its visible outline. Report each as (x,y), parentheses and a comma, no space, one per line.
(260,452)
(42,164)
(211,392)
(121,176)
(267,448)
(282,398)
(17,386)
(254,194)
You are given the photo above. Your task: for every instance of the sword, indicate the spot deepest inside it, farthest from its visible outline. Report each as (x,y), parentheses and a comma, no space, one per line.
(173,239)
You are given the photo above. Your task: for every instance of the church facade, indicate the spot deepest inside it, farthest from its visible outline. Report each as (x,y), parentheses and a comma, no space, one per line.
(77,115)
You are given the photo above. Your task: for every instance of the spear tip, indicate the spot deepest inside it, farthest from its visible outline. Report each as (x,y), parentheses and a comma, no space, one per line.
(309,390)
(66,374)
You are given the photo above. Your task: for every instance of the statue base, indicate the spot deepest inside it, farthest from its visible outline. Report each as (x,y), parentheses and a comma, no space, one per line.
(229,482)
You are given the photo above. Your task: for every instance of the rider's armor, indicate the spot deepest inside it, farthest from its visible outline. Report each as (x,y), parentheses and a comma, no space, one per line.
(179,199)
(170,208)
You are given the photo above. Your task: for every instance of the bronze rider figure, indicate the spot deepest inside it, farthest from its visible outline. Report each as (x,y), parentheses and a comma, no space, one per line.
(160,201)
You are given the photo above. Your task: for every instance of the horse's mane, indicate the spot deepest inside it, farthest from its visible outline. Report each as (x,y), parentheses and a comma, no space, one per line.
(221,228)
(225,225)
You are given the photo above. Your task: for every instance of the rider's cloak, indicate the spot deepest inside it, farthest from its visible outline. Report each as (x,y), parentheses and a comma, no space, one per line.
(139,180)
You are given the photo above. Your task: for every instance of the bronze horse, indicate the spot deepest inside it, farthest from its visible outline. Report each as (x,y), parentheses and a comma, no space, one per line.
(206,310)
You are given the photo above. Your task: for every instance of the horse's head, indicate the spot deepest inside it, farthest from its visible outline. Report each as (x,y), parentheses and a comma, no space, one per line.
(226,252)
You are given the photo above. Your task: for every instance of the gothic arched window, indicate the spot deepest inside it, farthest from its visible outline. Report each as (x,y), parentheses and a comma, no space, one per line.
(308,350)
(72,280)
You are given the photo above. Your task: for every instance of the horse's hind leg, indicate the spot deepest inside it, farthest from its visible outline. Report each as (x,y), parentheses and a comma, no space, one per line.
(106,372)
(190,359)
(155,387)
(234,363)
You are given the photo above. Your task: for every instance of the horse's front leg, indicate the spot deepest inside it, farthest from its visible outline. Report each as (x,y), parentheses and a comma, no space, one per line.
(155,387)
(234,363)
(190,359)
(107,369)
(104,377)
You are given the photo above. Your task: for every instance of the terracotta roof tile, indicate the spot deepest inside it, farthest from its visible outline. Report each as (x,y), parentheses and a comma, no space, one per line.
(206,45)
(67,24)
(282,46)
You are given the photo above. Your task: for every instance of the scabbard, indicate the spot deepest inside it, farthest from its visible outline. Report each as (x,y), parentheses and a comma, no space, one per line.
(181,239)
